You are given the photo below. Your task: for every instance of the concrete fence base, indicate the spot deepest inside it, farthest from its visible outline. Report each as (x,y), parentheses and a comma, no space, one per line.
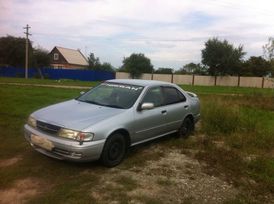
(257,82)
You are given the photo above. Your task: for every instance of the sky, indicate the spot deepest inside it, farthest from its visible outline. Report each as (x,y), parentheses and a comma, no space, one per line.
(170,32)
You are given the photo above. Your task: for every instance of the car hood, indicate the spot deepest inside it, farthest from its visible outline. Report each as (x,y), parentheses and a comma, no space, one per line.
(75,115)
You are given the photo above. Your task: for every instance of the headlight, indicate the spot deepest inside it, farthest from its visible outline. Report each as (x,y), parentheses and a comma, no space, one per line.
(32,121)
(75,135)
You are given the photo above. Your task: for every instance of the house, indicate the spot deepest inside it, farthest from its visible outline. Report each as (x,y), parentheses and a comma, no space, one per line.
(65,58)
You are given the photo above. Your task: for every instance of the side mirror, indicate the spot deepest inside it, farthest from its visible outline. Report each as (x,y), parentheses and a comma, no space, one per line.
(82,92)
(146,106)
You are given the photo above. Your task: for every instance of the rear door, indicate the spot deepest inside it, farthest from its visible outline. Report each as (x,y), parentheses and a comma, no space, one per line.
(176,107)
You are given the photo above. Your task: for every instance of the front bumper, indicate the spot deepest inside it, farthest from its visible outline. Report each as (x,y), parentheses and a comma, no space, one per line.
(65,149)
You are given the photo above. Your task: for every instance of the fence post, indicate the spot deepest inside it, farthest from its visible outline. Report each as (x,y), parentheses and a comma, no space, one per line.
(152,76)
(215,80)
(193,79)
(262,82)
(239,80)
(171,77)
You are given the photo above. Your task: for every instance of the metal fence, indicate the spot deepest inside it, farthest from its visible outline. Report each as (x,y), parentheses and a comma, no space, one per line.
(50,73)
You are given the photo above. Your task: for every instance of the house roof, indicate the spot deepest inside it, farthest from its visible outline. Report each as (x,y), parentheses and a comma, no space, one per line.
(73,56)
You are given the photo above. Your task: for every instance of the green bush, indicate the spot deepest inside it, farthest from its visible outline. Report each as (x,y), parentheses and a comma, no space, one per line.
(220,118)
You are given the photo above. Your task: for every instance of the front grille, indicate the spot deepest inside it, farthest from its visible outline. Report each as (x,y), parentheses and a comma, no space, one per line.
(48,128)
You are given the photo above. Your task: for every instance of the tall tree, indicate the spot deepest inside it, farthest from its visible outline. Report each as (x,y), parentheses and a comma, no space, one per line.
(256,66)
(269,53)
(269,49)
(222,58)
(12,51)
(95,64)
(41,58)
(93,61)
(136,64)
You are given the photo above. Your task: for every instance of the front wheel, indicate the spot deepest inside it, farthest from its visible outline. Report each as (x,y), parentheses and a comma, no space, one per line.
(186,128)
(114,150)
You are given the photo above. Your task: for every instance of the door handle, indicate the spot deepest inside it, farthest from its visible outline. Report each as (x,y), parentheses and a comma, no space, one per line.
(163,111)
(186,106)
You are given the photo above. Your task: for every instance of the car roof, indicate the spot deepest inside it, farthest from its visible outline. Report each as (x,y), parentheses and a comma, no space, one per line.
(139,82)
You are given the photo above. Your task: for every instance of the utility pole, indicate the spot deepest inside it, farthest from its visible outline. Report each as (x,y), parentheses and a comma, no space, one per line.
(27,50)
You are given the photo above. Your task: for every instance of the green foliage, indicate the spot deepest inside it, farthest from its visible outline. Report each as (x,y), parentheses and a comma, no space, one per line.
(256,66)
(269,53)
(93,61)
(106,67)
(263,169)
(221,57)
(192,68)
(269,49)
(136,64)
(95,64)
(41,58)
(220,118)
(164,71)
(12,51)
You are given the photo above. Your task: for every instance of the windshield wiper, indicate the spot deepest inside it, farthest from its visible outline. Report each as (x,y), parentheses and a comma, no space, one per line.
(100,104)
(114,106)
(91,102)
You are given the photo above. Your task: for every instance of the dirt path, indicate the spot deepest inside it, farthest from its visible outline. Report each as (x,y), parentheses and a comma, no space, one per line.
(174,178)
(47,85)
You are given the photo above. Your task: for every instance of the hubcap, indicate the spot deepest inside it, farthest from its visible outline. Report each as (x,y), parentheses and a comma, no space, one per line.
(115,150)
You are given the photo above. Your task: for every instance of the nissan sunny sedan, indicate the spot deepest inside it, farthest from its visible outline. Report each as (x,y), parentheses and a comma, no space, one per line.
(105,121)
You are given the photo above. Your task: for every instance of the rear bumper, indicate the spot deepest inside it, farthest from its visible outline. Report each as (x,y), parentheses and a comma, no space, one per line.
(65,149)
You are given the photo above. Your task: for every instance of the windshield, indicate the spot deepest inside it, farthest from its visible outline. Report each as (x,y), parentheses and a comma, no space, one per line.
(112,95)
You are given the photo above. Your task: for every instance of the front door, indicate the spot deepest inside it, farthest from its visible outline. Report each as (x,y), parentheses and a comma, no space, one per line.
(150,123)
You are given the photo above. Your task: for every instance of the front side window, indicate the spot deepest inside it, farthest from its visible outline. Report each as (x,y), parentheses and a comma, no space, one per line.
(172,95)
(112,95)
(154,95)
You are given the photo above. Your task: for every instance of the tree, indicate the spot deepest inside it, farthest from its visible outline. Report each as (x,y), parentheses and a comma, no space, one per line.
(95,64)
(192,68)
(269,49)
(107,67)
(269,53)
(256,66)
(222,58)
(12,51)
(41,58)
(162,70)
(136,64)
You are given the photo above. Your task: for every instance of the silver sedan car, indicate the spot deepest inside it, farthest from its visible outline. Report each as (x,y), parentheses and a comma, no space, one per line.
(105,121)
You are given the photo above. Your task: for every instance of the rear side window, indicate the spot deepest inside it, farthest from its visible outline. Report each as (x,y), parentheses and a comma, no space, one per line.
(172,95)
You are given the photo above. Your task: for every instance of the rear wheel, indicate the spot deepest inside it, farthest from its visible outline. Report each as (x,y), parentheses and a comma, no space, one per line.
(186,128)
(114,150)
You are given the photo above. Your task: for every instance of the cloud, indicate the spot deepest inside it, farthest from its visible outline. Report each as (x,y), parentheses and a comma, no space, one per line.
(170,32)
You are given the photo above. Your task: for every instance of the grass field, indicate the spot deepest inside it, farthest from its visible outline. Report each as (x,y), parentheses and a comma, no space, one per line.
(235,138)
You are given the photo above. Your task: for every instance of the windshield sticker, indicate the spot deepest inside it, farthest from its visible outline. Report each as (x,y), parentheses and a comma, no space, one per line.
(123,86)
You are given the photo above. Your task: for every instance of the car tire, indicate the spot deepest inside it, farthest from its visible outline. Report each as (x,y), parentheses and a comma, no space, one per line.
(114,150)
(186,128)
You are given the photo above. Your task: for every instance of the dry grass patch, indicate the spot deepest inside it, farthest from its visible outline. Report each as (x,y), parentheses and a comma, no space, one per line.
(10,161)
(22,190)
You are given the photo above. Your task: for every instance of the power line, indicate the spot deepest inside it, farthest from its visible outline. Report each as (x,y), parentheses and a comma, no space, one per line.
(27,49)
